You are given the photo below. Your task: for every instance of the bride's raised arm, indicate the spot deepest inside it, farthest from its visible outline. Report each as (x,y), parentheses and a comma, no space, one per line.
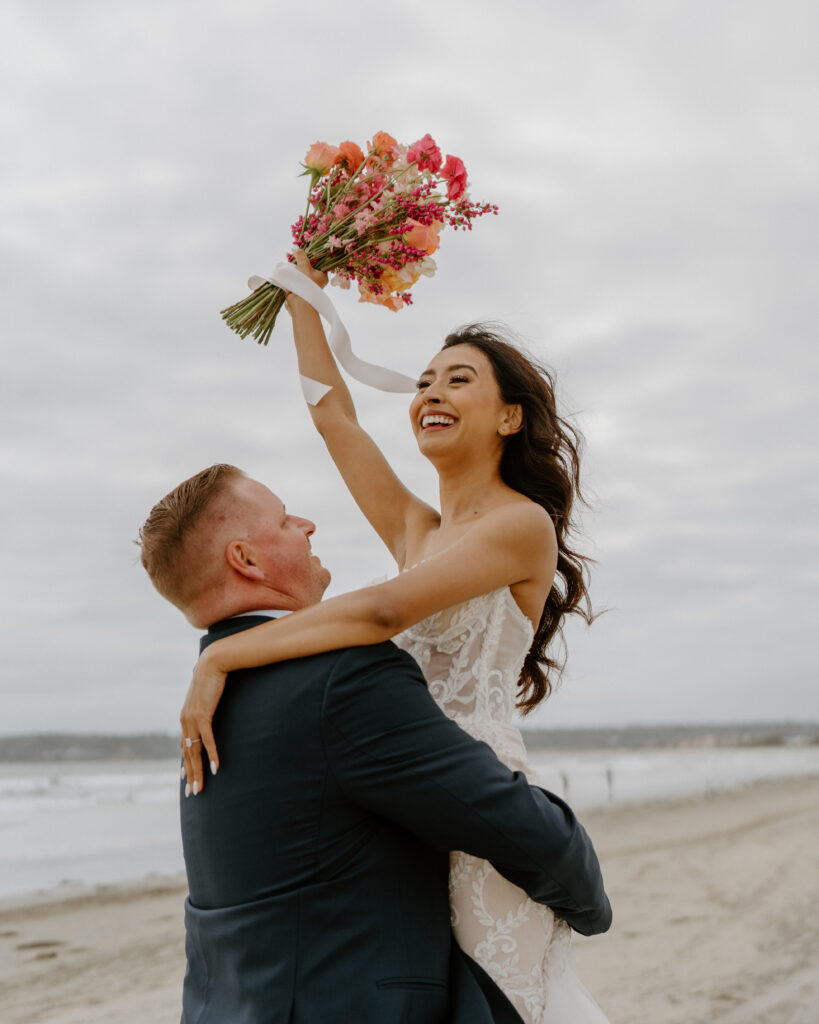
(515,543)
(391,509)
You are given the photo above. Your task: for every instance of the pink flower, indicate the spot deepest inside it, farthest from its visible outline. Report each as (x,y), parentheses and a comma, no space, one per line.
(321,157)
(340,211)
(455,174)
(426,154)
(364,219)
(334,242)
(423,236)
(375,183)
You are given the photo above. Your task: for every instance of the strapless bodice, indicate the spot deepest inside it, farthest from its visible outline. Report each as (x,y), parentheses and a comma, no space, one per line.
(472,655)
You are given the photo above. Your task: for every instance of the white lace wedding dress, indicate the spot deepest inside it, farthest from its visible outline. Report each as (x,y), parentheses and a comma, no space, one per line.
(471,656)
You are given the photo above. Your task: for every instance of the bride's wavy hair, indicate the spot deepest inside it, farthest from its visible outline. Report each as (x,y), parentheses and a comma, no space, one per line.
(541,461)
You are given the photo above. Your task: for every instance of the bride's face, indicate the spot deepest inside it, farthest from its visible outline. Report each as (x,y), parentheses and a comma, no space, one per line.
(458,405)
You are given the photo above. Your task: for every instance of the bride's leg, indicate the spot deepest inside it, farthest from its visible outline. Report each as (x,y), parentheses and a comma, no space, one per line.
(503,930)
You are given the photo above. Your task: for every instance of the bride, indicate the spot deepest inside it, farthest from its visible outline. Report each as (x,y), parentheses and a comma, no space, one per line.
(483,588)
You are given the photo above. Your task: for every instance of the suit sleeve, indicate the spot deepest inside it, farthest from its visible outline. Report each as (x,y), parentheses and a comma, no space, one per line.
(393,751)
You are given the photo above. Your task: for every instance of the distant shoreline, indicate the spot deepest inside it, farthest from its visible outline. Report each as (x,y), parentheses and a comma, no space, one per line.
(149,746)
(642,737)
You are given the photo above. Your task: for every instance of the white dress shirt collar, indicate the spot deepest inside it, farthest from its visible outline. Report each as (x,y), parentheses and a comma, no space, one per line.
(275,613)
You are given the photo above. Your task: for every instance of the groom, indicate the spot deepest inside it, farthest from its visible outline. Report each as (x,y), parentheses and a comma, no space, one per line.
(317,860)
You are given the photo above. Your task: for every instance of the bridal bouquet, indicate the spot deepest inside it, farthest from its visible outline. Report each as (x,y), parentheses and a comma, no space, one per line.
(374,219)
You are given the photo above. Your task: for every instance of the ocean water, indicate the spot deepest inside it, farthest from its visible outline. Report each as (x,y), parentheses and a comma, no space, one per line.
(101,822)
(595,778)
(91,822)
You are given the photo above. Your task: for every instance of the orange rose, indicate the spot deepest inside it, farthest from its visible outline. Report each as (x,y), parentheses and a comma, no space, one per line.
(320,157)
(424,236)
(401,280)
(393,302)
(350,155)
(384,145)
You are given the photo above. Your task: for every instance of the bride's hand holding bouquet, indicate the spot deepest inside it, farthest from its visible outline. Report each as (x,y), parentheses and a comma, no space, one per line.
(295,303)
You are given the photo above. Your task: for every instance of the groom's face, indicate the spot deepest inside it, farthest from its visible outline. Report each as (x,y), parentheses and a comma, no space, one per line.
(281,542)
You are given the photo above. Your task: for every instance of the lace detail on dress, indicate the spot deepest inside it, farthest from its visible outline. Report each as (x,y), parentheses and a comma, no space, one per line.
(472,656)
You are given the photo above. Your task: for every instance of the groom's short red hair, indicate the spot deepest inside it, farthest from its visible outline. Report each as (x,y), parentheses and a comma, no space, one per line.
(164,534)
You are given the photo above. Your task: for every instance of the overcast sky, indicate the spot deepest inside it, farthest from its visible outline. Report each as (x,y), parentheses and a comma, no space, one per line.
(655,165)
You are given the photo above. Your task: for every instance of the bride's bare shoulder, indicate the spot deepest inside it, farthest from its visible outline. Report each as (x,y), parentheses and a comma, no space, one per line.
(523,512)
(513,523)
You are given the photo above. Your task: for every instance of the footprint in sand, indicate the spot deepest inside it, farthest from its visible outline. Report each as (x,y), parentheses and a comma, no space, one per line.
(38,945)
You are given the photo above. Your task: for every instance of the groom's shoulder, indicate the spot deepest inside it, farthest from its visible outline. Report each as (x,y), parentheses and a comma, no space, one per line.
(371,675)
(354,667)
(373,659)
(351,663)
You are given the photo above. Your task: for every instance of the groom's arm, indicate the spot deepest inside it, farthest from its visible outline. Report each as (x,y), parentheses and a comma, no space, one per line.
(395,752)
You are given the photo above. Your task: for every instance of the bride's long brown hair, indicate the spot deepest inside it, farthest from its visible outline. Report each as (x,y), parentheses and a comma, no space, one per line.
(541,461)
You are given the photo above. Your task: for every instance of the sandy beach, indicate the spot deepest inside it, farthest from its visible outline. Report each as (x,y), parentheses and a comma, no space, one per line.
(716,904)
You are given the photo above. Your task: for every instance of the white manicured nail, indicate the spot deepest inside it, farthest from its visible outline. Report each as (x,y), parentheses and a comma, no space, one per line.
(187,789)
(213,768)
(195,788)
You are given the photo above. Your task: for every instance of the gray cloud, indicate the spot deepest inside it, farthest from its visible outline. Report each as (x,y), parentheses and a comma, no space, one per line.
(655,169)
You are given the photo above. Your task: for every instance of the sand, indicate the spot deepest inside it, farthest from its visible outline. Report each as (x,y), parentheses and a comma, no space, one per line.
(716,905)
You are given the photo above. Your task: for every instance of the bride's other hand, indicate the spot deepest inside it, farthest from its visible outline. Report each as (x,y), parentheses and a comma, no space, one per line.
(204,693)
(318,277)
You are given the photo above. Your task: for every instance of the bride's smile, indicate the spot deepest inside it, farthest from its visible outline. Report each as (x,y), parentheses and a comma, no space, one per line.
(436,421)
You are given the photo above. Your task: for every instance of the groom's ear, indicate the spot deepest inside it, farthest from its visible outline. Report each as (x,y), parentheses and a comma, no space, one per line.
(239,556)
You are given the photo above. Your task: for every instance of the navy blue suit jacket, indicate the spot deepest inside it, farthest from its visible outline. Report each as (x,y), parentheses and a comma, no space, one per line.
(317,858)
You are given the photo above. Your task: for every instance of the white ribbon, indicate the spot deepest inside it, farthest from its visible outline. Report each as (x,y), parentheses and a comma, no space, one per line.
(313,390)
(292,280)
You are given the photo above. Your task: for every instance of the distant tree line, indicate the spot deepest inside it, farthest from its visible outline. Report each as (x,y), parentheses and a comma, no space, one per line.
(149,746)
(144,746)
(641,737)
